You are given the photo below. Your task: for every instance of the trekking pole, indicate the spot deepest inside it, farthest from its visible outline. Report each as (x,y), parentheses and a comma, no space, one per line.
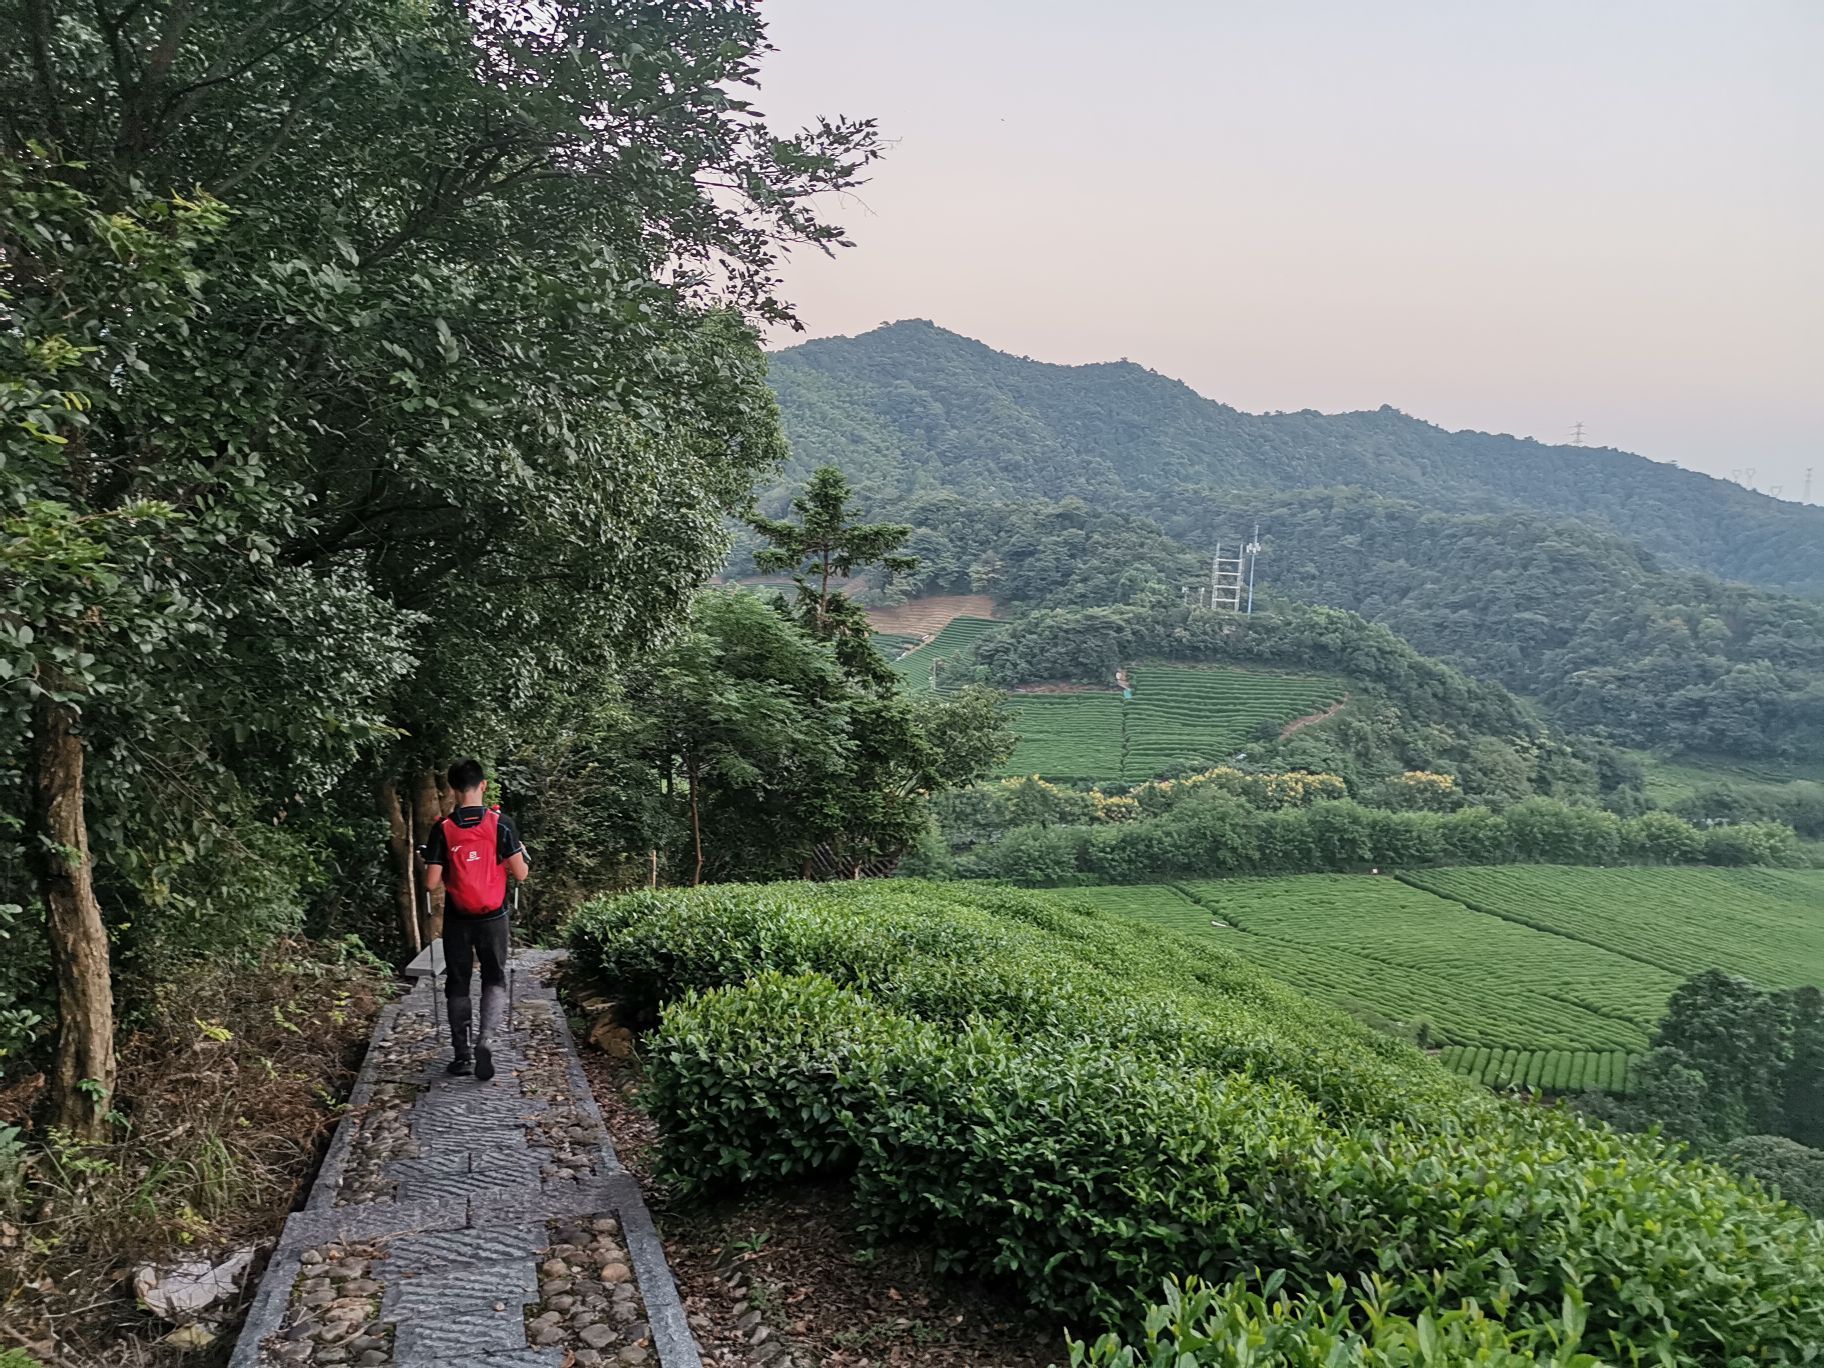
(433,949)
(512,917)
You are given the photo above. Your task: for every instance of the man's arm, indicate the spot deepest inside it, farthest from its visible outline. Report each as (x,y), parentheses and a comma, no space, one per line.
(513,851)
(436,851)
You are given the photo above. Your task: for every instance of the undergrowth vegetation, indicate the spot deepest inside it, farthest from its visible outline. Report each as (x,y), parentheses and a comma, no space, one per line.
(236,1080)
(1086,1109)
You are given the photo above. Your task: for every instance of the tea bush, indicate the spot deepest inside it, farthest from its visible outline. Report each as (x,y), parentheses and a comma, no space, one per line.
(1087,1108)
(1199,1326)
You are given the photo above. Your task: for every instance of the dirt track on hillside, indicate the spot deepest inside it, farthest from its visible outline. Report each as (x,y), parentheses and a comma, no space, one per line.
(1298,724)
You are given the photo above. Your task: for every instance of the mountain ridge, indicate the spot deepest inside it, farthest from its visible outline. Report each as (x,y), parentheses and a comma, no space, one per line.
(910,407)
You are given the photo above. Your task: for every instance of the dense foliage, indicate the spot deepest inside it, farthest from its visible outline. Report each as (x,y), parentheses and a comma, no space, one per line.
(911,409)
(1736,1069)
(1799,804)
(1602,634)
(1780,1165)
(372,376)
(1085,1110)
(744,750)
(1607,640)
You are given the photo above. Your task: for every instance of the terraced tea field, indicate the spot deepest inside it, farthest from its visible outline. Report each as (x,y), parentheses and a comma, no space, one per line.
(923,617)
(1182,712)
(1067,735)
(1179,713)
(951,650)
(1669,782)
(1529,975)
(1479,979)
(1767,924)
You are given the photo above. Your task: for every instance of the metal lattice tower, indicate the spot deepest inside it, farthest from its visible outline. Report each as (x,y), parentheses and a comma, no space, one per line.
(1228,579)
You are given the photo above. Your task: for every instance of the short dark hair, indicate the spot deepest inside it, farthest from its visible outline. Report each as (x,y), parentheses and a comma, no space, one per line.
(467,774)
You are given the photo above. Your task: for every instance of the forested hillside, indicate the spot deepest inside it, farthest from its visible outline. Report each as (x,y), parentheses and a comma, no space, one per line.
(910,409)
(1604,637)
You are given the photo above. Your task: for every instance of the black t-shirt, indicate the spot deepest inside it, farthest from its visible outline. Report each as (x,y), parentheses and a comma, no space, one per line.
(506,840)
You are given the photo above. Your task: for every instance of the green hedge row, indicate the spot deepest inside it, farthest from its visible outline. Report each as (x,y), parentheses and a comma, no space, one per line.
(1214,833)
(944,1052)
(1037,965)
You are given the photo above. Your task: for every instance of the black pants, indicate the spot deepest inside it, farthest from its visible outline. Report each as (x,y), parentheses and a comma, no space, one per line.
(465,940)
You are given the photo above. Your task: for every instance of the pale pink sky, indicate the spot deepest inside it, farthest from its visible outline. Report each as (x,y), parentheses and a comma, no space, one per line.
(1500,216)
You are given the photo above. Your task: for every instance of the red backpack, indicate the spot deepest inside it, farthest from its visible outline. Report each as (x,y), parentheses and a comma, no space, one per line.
(475,877)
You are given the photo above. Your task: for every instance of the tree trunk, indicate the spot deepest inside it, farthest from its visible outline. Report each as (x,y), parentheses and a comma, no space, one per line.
(78,939)
(399,845)
(696,828)
(427,810)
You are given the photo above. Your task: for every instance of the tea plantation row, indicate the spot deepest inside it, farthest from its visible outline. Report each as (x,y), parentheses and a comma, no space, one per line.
(1541,976)
(1086,1107)
(1542,1070)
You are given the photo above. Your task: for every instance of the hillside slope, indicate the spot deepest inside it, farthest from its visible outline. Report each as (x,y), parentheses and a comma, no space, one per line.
(911,408)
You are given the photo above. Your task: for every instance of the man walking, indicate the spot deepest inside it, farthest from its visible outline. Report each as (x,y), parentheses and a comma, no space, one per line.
(471,852)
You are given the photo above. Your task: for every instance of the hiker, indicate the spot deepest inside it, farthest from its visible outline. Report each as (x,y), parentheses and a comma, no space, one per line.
(470,854)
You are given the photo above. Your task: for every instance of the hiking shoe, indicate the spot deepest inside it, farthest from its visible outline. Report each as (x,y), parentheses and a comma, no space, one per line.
(484,1063)
(462,1064)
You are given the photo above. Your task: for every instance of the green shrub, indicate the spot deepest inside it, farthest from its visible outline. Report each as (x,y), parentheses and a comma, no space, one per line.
(1082,1173)
(760,1084)
(1208,831)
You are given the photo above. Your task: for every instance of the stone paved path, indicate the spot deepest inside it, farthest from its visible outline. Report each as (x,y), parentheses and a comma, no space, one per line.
(464,1223)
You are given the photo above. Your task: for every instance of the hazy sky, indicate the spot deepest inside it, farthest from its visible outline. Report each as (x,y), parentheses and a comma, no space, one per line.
(1501,216)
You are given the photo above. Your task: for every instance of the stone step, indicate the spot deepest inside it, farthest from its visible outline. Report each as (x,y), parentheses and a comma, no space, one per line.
(412,1254)
(461,1288)
(457,1332)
